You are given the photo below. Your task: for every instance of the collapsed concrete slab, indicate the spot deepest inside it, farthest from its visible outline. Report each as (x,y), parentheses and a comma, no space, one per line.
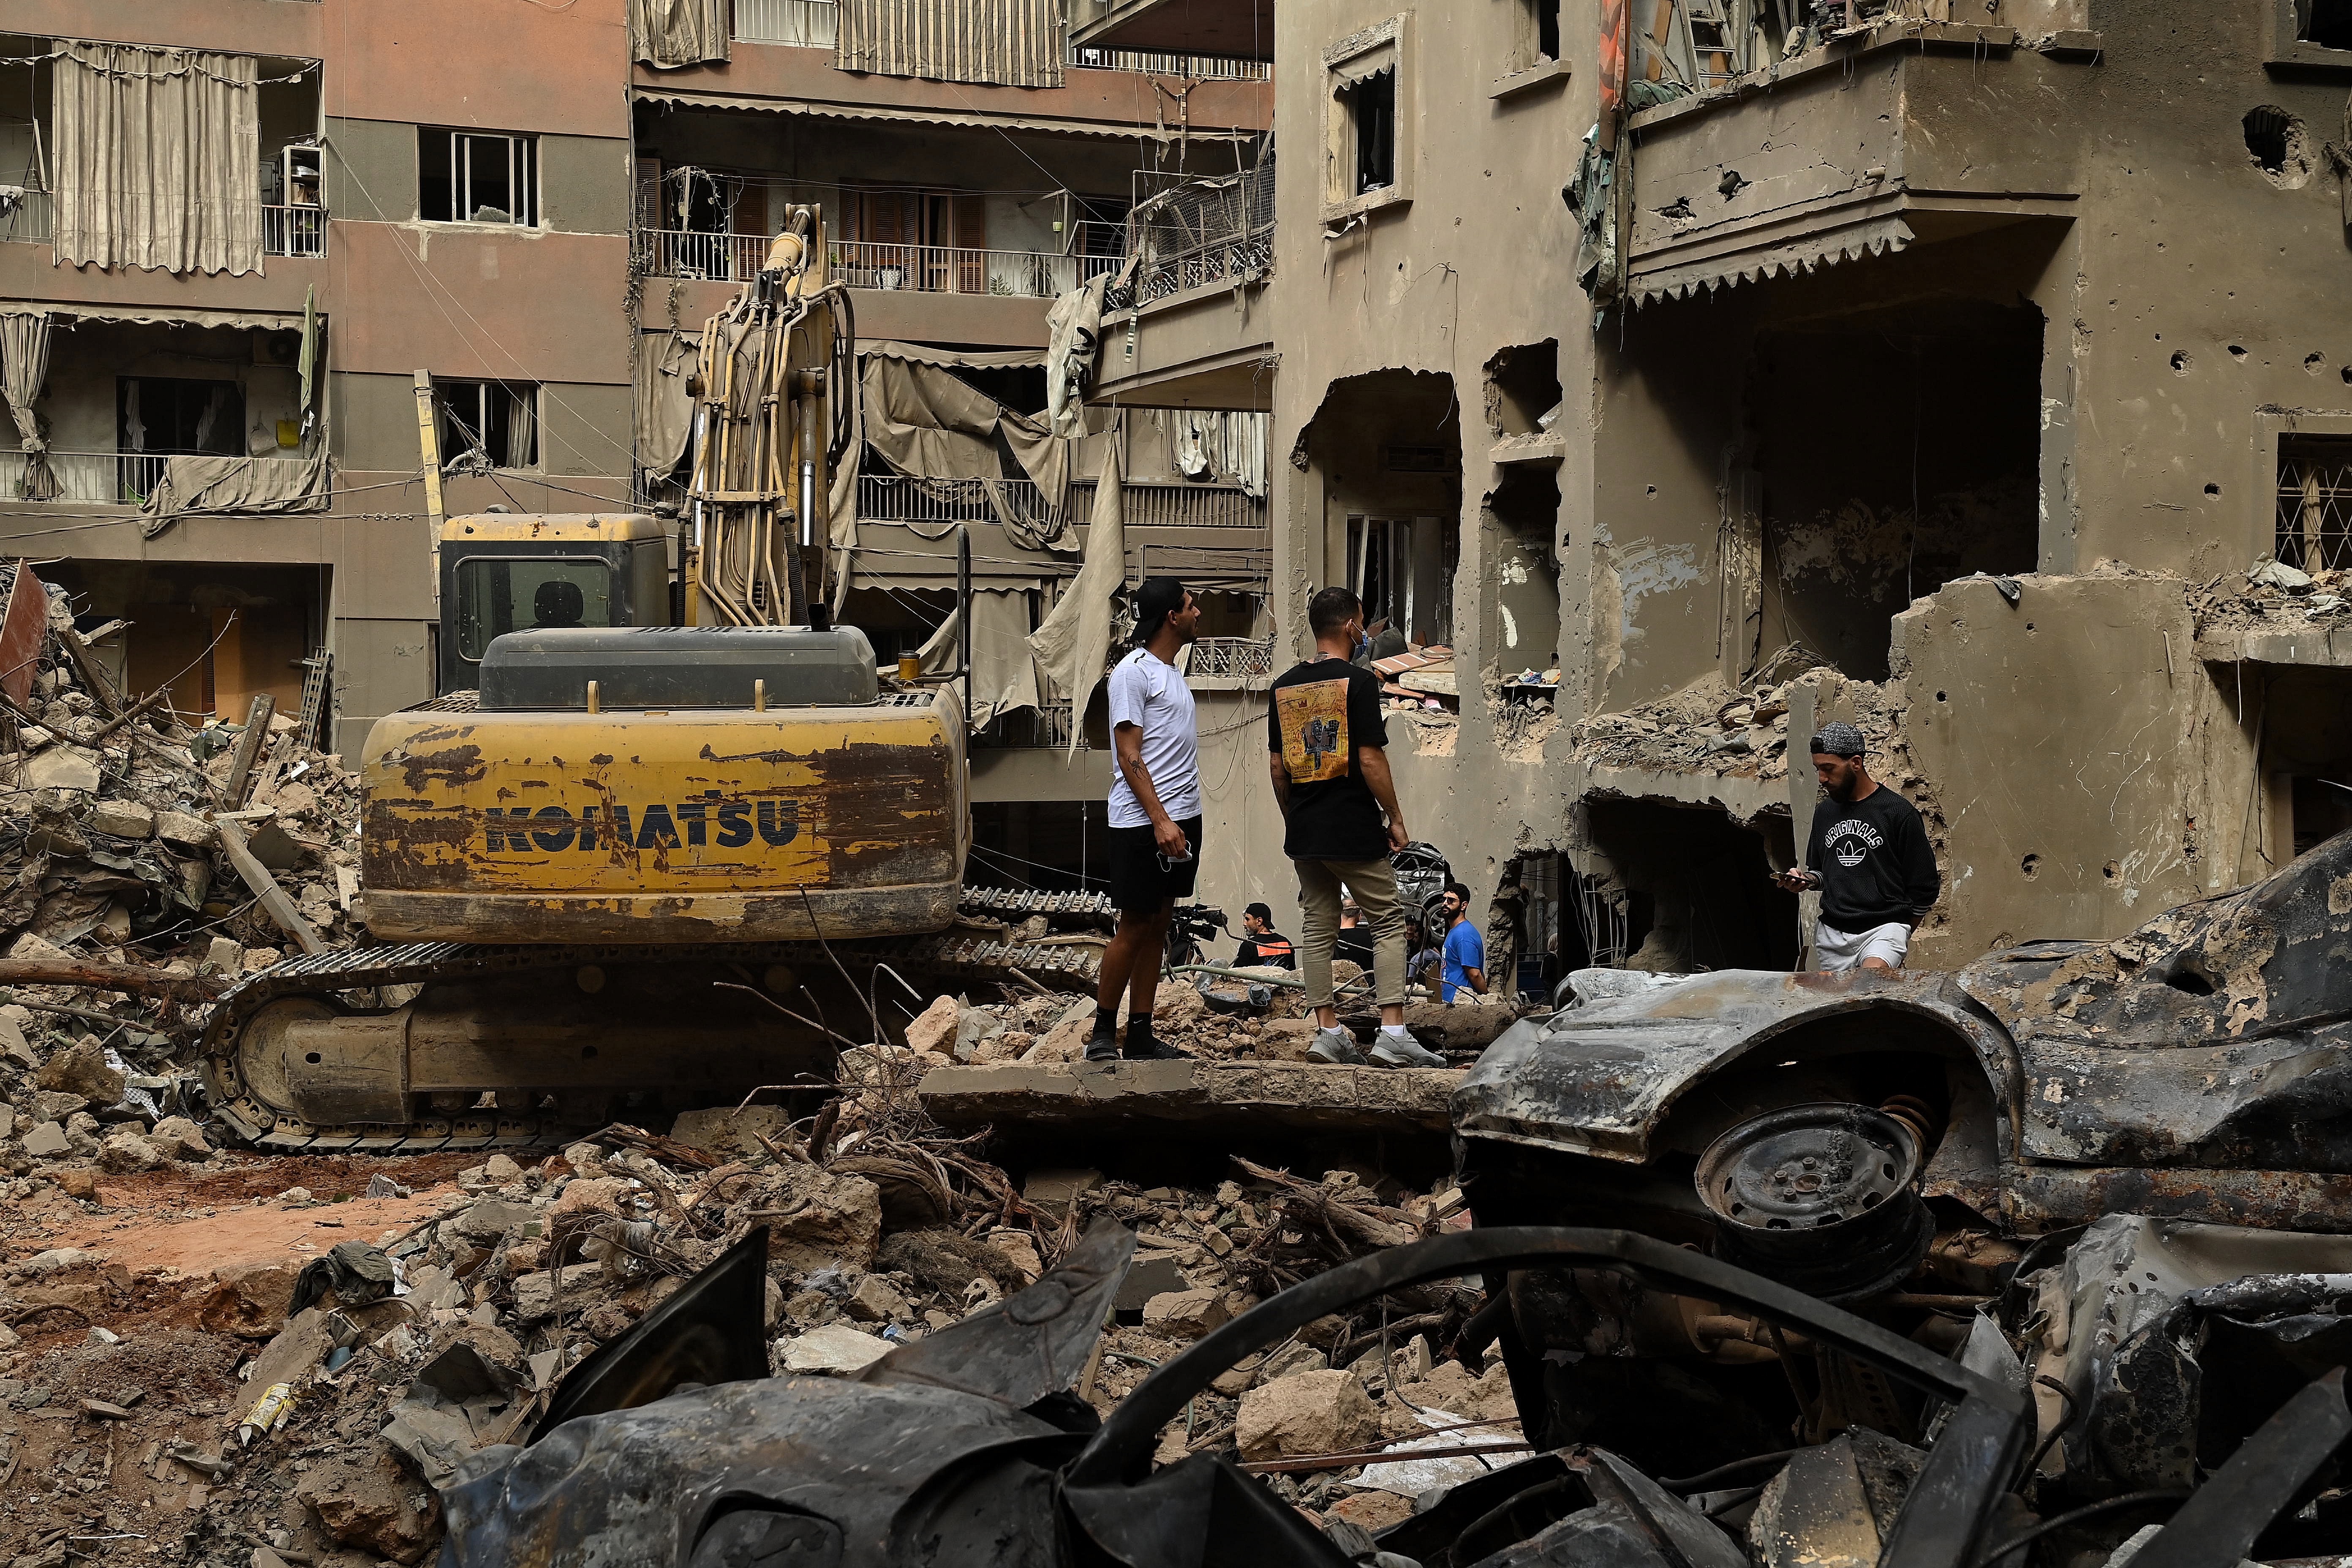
(1236,1097)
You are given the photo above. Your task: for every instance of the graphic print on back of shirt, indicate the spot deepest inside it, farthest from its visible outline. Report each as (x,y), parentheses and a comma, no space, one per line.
(1852,841)
(1313,720)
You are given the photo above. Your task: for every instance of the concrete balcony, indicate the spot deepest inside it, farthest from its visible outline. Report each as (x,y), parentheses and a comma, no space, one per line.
(1235,29)
(1909,134)
(1172,337)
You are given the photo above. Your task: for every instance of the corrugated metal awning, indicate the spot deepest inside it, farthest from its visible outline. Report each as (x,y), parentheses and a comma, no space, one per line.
(1826,247)
(952,359)
(165,315)
(915,115)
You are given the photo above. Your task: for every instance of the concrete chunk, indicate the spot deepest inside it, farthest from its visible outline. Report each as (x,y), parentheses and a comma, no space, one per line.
(63,767)
(47,1142)
(122,819)
(1323,1411)
(836,1350)
(1184,1314)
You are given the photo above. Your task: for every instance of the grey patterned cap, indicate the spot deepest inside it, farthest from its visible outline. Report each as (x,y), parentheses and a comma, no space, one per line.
(1838,740)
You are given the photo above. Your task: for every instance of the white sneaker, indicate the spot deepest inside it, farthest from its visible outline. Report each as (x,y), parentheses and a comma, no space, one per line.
(1337,1047)
(1404,1051)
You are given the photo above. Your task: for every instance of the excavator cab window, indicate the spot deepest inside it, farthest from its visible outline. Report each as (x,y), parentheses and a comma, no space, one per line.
(498,594)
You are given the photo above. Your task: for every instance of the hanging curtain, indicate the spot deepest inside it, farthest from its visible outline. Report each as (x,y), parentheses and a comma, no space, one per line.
(250,487)
(522,430)
(927,423)
(309,357)
(1004,43)
(1074,327)
(665,413)
(157,158)
(24,366)
(1003,671)
(1074,641)
(666,34)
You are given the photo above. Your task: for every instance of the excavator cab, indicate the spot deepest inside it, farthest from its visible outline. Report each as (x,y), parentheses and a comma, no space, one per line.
(505,573)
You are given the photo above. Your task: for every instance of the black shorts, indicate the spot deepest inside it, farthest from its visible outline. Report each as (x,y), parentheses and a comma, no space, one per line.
(1138,882)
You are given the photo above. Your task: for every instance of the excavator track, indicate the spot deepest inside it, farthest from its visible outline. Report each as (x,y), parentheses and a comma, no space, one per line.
(960,957)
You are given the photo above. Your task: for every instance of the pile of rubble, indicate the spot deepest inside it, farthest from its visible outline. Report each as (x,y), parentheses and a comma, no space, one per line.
(1254,1014)
(140,867)
(311,1415)
(2271,594)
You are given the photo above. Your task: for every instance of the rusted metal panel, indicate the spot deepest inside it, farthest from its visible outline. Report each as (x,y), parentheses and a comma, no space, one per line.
(22,626)
(680,827)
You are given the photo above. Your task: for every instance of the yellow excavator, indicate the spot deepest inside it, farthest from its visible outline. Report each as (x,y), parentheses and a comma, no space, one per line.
(658,842)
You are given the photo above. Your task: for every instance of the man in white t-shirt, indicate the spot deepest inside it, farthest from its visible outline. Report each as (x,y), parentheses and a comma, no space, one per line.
(1155,814)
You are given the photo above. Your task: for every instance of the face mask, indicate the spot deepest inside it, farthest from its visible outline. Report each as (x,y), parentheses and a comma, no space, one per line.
(1363,647)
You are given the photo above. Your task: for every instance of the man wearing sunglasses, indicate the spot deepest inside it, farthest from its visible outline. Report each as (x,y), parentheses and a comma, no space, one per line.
(1155,816)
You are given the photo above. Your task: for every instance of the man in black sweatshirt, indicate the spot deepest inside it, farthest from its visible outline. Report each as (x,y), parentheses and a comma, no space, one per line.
(1870,859)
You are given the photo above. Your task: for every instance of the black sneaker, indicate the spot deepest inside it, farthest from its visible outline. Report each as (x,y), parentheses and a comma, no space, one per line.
(1142,1046)
(1102,1046)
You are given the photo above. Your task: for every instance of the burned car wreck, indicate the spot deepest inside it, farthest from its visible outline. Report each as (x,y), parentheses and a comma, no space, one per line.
(2193,1070)
(967,1447)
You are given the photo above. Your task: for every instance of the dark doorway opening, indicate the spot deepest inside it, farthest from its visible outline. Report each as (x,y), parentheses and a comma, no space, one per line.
(1700,895)
(1898,449)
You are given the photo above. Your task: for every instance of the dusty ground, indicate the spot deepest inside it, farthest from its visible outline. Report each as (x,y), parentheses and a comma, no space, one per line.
(106,1487)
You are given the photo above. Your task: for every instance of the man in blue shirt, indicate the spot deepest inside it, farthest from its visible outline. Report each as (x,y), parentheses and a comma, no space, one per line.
(1465,949)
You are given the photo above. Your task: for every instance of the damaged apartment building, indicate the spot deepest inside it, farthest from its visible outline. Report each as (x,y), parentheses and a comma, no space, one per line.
(252,250)
(1675,378)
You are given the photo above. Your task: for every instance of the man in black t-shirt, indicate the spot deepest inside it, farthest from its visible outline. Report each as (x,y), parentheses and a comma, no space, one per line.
(1261,945)
(1327,744)
(1869,856)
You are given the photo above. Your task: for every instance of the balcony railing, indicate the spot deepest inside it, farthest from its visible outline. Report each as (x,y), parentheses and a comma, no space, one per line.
(943,270)
(27,217)
(807,24)
(1199,233)
(124,478)
(108,478)
(895,498)
(816,25)
(293,231)
(285,230)
(911,269)
(1193,67)
(1175,506)
(1232,658)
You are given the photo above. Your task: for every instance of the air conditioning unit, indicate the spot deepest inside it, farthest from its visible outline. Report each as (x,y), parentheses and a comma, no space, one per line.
(283,349)
(302,171)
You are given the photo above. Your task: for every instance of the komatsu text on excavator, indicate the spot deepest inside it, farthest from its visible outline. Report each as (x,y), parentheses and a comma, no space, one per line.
(660,838)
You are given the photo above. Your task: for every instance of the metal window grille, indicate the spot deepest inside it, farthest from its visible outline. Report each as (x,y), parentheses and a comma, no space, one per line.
(1196,233)
(294,231)
(2314,501)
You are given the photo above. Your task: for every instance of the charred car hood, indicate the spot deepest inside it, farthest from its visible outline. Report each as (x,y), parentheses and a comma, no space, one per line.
(2215,1036)
(1600,1078)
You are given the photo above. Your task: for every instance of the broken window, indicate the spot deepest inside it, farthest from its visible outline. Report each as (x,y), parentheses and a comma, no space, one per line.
(489,424)
(173,414)
(1402,568)
(473,176)
(1370,105)
(2328,22)
(2314,501)
(1523,643)
(1523,388)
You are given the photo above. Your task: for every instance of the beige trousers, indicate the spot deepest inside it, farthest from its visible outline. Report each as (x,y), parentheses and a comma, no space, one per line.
(1373,883)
